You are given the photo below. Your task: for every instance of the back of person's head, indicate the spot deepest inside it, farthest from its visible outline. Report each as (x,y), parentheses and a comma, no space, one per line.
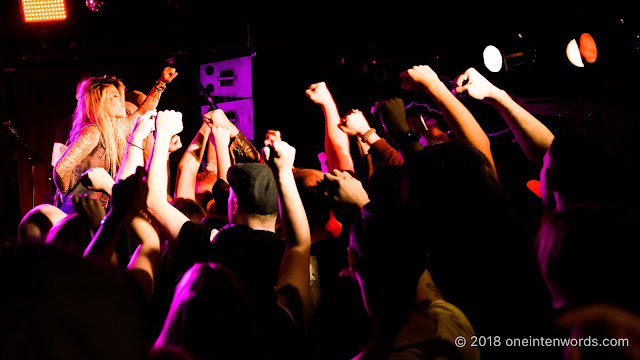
(391,114)
(587,253)
(35,225)
(454,187)
(588,163)
(254,188)
(387,185)
(191,208)
(56,305)
(455,171)
(316,206)
(466,220)
(212,316)
(133,100)
(389,258)
(71,233)
(219,202)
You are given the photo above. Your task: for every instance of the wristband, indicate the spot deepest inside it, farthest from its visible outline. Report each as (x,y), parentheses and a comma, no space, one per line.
(160,86)
(365,136)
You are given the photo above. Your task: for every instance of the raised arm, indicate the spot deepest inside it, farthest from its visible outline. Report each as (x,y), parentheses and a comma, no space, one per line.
(166,217)
(190,164)
(355,124)
(220,138)
(344,189)
(97,179)
(532,135)
(87,139)
(153,98)
(336,142)
(127,201)
(240,148)
(129,197)
(212,158)
(460,120)
(136,145)
(145,261)
(294,268)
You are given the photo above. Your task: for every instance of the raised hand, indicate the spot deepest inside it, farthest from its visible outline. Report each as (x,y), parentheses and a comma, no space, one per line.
(143,126)
(272,135)
(175,144)
(435,135)
(89,209)
(354,123)
(97,179)
(419,78)
(319,93)
(279,156)
(344,188)
(168,74)
(472,83)
(218,118)
(130,195)
(169,122)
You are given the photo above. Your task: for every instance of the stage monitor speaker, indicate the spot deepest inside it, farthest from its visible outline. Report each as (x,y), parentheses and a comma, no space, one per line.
(227,78)
(240,113)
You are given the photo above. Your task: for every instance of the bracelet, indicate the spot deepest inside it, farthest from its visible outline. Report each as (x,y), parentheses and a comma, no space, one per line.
(365,136)
(132,144)
(160,86)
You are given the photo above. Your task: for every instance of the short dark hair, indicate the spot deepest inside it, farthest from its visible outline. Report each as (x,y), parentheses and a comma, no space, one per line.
(211,303)
(316,205)
(587,251)
(590,164)
(191,208)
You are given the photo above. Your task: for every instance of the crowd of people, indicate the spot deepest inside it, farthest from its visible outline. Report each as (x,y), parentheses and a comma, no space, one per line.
(420,254)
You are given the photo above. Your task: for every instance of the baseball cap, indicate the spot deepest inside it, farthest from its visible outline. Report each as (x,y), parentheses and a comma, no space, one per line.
(255,187)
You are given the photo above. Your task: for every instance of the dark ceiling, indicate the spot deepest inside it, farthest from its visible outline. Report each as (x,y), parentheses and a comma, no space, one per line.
(138,28)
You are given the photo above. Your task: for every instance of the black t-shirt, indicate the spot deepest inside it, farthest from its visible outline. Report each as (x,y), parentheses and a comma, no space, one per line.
(253,255)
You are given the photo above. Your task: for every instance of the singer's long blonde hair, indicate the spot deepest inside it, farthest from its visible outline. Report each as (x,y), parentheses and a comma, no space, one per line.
(93,110)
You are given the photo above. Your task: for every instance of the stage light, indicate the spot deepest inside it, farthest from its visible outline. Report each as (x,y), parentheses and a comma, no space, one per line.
(492,58)
(95,5)
(512,52)
(43,10)
(534,186)
(573,53)
(586,50)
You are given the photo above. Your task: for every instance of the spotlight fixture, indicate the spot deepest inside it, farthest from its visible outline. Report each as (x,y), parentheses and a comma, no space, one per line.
(492,58)
(43,10)
(514,52)
(586,49)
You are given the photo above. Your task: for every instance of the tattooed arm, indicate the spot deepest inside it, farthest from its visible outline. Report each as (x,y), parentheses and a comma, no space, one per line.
(85,142)
(152,99)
